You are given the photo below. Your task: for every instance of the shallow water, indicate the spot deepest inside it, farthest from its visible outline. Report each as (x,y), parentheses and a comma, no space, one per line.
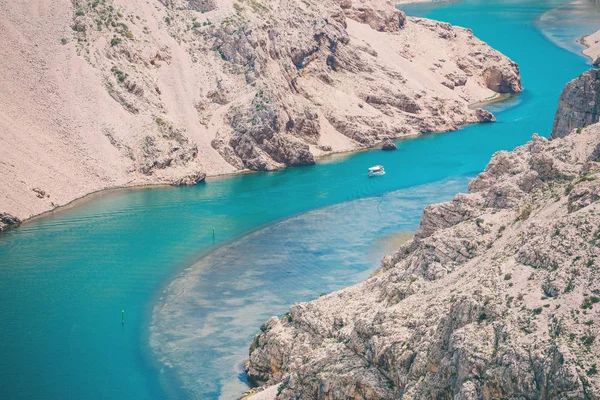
(203,323)
(567,24)
(65,278)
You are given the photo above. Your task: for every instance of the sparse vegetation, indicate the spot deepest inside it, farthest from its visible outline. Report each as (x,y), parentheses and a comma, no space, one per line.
(482,317)
(589,301)
(524,213)
(120,75)
(570,285)
(588,340)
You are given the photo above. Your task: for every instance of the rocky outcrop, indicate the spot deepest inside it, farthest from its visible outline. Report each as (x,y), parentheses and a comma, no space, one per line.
(190,180)
(8,221)
(258,142)
(578,105)
(381,16)
(484,115)
(502,79)
(388,145)
(495,297)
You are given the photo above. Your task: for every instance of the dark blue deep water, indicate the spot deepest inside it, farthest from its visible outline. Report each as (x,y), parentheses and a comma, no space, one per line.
(65,278)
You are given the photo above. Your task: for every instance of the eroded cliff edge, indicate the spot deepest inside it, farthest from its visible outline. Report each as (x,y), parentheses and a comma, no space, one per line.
(495,297)
(107,93)
(578,105)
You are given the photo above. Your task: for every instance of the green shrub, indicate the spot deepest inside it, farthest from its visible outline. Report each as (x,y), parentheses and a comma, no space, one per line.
(592,371)
(482,317)
(570,285)
(588,340)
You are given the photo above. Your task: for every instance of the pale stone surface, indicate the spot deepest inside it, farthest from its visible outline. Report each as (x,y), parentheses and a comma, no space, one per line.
(8,221)
(593,47)
(578,105)
(120,93)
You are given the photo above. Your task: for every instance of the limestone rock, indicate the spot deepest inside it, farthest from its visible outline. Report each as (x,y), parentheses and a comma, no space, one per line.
(8,221)
(578,105)
(484,115)
(190,180)
(503,79)
(388,145)
(381,16)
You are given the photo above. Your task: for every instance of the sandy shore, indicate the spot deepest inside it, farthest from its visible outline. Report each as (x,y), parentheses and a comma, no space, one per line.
(593,45)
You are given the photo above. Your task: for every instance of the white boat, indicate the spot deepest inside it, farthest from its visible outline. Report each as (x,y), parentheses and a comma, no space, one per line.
(376,171)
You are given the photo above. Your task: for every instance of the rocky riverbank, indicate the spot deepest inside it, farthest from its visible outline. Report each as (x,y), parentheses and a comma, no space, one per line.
(593,47)
(136,93)
(495,297)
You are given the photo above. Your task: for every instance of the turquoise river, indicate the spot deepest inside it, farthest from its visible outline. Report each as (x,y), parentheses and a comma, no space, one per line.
(280,238)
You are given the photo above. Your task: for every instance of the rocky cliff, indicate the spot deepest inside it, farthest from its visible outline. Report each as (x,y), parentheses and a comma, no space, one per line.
(106,93)
(7,221)
(495,297)
(578,104)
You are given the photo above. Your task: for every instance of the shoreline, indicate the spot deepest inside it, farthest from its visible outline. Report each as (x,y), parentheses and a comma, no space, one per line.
(112,195)
(149,186)
(592,50)
(579,18)
(169,308)
(26,208)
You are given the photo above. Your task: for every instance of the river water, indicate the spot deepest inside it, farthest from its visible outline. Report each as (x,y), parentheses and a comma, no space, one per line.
(280,238)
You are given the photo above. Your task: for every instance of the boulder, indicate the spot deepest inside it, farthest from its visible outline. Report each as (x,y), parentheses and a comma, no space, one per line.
(190,179)
(8,221)
(484,115)
(388,145)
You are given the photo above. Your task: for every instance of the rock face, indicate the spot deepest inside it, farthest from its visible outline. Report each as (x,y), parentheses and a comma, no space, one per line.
(190,180)
(495,297)
(388,145)
(484,115)
(578,105)
(7,221)
(167,88)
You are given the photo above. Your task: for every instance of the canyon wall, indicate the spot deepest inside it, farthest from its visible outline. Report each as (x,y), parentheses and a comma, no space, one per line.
(110,93)
(578,105)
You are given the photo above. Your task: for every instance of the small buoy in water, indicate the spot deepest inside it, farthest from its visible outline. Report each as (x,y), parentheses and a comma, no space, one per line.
(122,316)
(213,232)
